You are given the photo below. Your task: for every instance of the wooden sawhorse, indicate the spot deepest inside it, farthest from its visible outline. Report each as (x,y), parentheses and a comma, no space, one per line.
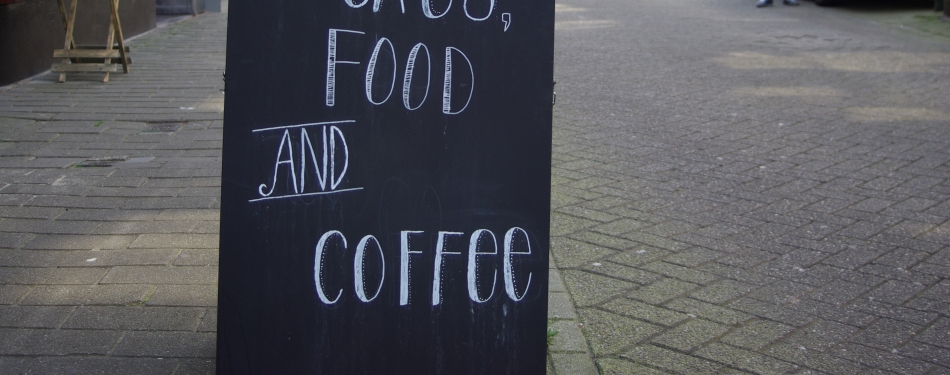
(73,53)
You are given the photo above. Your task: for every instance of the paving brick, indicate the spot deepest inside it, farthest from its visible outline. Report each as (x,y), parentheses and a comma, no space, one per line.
(937,334)
(134,318)
(77,242)
(9,294)
(646,312)
(699,309)
(187,241)
(611,366)
(690,335)
(70,295)
(184,295)
(756,334)
(609,333)
(589,289)
(188,366)
(746,360)
(166,344)
(12,316)
(161,275)
(671,361)
(35,276)
(209,322)
(886,360)
(55,342)
(14,365)
(661,291)
(102,365)
(108,215)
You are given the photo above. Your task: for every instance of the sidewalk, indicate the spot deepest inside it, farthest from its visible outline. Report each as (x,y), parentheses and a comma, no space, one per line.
(109,207)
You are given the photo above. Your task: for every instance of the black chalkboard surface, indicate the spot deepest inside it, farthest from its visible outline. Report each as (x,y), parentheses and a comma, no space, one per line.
(385,187)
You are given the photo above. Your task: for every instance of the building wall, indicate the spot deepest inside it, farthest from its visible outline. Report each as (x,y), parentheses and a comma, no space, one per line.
(31,29)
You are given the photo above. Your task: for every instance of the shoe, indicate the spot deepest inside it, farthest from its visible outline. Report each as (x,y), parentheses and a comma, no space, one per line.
(764,3)
(790,2)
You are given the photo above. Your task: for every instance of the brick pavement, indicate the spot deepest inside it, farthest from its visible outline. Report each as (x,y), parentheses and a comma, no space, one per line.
(742,190)
(109,212)
(736,190)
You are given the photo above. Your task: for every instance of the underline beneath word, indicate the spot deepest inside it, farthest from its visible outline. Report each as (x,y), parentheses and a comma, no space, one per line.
(305,194)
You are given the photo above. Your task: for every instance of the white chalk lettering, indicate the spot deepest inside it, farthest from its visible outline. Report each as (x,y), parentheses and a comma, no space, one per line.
(405,265)
(473,253)
(355,5)
(427,9)
(510,282)
(359,263)
(437,273)
(407,78)
(337,178)
(318,266)
(483,251)
(320,168)
(285,140)
(447,86)
(371,71)
(491,7)
(330,162)
(332,61)
(377,3)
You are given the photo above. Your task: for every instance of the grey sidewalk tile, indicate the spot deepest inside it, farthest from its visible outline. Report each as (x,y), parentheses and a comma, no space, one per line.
(662,291)
(189,241)
(196,257)
(76,242)
(185,295)
(588,289)
(560,307)
(699,309)
(622,272)
(756,334)
(672,361)
(47,227)
(567,337)
(135,192)
(89,295)
(134,318)
(41,276)
(570,253)
(209,322)
(75,202)
(149,227)
(746,360)
(169,203)
(14,365)
(189,366)
(166,344)
(646,312)
(161,275)
(612,366)
(9,294)
(887,360)
(102,365)
(33,316)
(108,215)
(690,335)
(56,342)
(609,333)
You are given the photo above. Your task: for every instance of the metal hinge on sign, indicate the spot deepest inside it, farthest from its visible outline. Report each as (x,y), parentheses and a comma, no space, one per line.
(554,98)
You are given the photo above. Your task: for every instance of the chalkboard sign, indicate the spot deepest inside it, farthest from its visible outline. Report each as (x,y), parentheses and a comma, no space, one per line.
(386,187)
